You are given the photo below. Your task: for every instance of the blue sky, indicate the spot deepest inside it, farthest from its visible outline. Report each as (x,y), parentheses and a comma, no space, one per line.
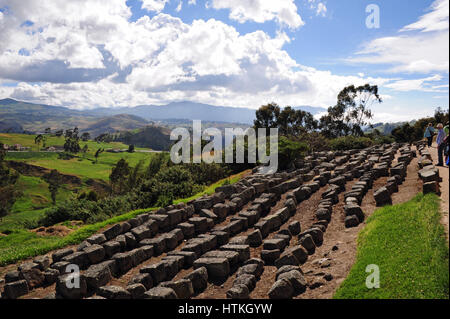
(241,53)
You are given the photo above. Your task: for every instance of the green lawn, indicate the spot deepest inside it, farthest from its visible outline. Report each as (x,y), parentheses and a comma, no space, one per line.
(82,166)
(27,140)
(22,244)
(408,244)
(31,205)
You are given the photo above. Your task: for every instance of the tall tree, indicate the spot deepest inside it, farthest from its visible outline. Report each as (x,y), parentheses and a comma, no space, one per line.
(54,184)
(38,140)
(267,116)
(8,192)
(119,175)
(352,111)
(85,136)
(290,122)
(97,154)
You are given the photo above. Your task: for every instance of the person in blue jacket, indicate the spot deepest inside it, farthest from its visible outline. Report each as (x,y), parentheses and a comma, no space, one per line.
(441,141)
(429,132)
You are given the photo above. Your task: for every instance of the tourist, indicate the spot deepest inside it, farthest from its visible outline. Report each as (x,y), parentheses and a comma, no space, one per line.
(429,132)
(446,143)
(441,141)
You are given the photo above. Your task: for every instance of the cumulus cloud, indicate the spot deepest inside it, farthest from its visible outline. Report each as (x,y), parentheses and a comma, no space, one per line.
(282,11)
(154,5)
(421,47)
(72,54)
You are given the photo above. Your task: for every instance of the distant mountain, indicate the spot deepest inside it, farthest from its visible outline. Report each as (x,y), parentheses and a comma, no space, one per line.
(385,128)
(10,127)
(37,117)
(111,124)
(194,111)
(154,137)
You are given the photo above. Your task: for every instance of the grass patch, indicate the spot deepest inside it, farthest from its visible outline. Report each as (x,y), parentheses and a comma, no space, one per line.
(21,244)
(32,204)
(81,166)
(408,244)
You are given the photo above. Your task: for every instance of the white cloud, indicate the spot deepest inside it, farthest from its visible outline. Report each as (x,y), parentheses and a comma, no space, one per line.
(413,52)
(154,5)
(180,5)
(435,20)
(319,7)
(87,58)
(282,11)
(417,85)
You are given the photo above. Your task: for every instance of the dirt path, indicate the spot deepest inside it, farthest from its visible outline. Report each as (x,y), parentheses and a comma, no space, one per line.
(443,173)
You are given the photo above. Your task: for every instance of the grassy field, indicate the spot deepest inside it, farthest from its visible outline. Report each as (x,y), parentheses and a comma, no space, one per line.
(408,244)
(22,244)
(31,205)
(27,140)
(35,195)
(82,166)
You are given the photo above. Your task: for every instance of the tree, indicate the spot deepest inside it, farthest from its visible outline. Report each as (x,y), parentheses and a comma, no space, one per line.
(38,140)
(68,133)
(85,136)
(48,130)
(267,116)
(119,175)
(293,122)
(72,145)
(59,133)
(290,122)
(131,148)
(97,154)
(135,176)
(54,183)
(352,111)
(8,179)
(75,133)
(84,150)
(288,151)
(157,161)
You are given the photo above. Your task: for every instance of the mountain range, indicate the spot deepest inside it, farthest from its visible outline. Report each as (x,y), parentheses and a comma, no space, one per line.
(17,115)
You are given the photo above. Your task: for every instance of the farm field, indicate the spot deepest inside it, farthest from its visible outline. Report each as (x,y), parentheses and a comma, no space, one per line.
(35,196)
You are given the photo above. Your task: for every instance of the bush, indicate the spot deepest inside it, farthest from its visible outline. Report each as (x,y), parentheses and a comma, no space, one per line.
(288,151)
(65,156)
(350,142)
(86,210)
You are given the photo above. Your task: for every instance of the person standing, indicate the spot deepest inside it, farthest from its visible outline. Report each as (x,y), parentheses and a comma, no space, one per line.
(429,132)
(446,144)
(441,141)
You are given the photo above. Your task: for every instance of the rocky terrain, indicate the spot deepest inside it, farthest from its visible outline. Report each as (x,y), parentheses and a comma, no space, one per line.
(287,235)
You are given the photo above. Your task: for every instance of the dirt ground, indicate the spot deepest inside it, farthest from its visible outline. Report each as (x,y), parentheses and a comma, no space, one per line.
(444,188)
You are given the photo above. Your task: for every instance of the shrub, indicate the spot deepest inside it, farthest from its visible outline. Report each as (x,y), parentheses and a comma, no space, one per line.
(350,142)
(289,150)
